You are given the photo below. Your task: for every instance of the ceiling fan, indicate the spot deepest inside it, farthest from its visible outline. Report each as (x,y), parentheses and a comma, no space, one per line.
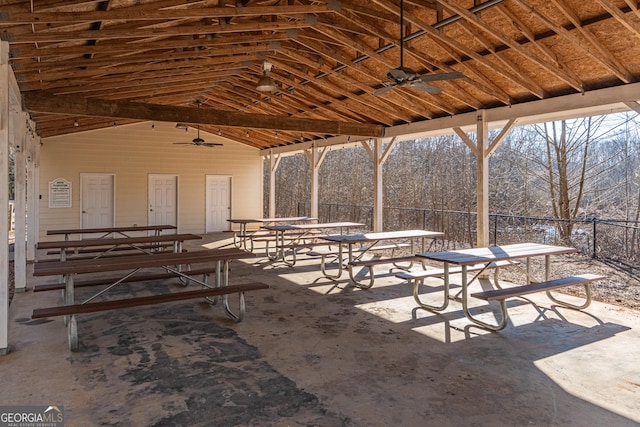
(197,140)
(404,76)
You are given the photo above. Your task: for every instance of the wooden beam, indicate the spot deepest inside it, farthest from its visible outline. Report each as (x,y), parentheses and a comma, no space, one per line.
(183,30)
(134,14)
(79,106)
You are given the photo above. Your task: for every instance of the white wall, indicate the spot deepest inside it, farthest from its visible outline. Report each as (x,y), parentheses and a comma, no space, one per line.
(132,152)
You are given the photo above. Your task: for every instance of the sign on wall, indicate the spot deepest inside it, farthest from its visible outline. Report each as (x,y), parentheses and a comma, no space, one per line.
(60,193)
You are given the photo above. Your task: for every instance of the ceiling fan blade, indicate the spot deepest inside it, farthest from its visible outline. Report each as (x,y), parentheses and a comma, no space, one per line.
(184,143)
(383,90)
(211,144)
(441,76)
(425,87)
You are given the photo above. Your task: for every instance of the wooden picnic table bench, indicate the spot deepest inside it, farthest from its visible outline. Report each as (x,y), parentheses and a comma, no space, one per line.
(466,258)
(177,264)
(150,247)
(416,278)
(103,281)
(289,235)
(107,231)
(104,246)
(360,244)
(244,238)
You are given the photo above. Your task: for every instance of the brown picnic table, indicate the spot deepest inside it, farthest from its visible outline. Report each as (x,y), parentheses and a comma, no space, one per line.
(101,247)
(297,233)
(488,257)
(243,238)
(360,244)
(179,264)
(108,231)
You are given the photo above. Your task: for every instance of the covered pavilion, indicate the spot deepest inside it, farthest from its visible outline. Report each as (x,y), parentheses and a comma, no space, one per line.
(337,73)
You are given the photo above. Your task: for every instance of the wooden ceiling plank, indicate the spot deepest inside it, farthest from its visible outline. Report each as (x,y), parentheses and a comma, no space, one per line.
(118,86)
(605,57)
(423,58)
(84,73)
(92,107)
(451,44)
(351,101)
(609,61)
(513,44)
(89,84)
(111,48)
(419,55)
(140,58)
(321,101)
(139,14)
(630,25)
(409,107)
(356,44)
(503,59)
(108,34)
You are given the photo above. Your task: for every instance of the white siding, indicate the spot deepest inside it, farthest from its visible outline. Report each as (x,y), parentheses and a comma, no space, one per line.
(132,152)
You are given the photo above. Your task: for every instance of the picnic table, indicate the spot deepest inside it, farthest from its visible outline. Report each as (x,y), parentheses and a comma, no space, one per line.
(292,236)
(243,238)
(488,257)
(360,244)
(107,231)
(177,264)
(100,247)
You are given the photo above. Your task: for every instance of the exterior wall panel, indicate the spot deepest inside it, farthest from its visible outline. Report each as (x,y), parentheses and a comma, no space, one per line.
(132,152)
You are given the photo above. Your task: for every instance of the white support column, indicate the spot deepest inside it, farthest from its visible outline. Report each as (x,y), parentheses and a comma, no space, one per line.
(378,157)
(274,161)
(482,183)
(315,156)
(19,131)
(33,190)
(4,196)
(482,149)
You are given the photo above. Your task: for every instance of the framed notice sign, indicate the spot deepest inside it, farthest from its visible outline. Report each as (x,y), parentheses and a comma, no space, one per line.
(60,193)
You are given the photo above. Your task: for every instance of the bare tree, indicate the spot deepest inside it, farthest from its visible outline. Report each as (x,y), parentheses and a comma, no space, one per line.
(568,165)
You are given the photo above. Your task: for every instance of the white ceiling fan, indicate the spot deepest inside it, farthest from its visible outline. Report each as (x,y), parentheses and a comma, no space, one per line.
(406,77)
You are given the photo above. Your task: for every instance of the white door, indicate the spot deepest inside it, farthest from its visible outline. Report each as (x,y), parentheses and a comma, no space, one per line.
(97,200)
(218,203)
(163,196)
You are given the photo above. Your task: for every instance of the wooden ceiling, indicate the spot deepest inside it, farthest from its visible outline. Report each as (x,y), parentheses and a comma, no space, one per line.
(94,62)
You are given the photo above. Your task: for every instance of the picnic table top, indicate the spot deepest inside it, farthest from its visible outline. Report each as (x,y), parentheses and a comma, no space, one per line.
(497,253)
(384,235)
(275,219)
(284,227)
(54,268)
(111,229)
(116,241)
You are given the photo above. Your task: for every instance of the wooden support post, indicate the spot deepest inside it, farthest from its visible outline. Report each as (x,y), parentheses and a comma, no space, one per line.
(482,181)
(33,190)
(19,133)
(4,196)
(378,155)
(315,156)
(274,161)
(482,149)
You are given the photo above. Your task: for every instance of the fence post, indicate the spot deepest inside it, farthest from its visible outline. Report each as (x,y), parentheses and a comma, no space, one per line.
(495,230)
(594,255)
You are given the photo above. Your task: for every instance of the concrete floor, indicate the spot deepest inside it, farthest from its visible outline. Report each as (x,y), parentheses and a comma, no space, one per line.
(312,352)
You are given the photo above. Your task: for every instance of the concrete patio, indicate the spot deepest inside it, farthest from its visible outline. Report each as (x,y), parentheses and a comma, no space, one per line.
(318,353)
